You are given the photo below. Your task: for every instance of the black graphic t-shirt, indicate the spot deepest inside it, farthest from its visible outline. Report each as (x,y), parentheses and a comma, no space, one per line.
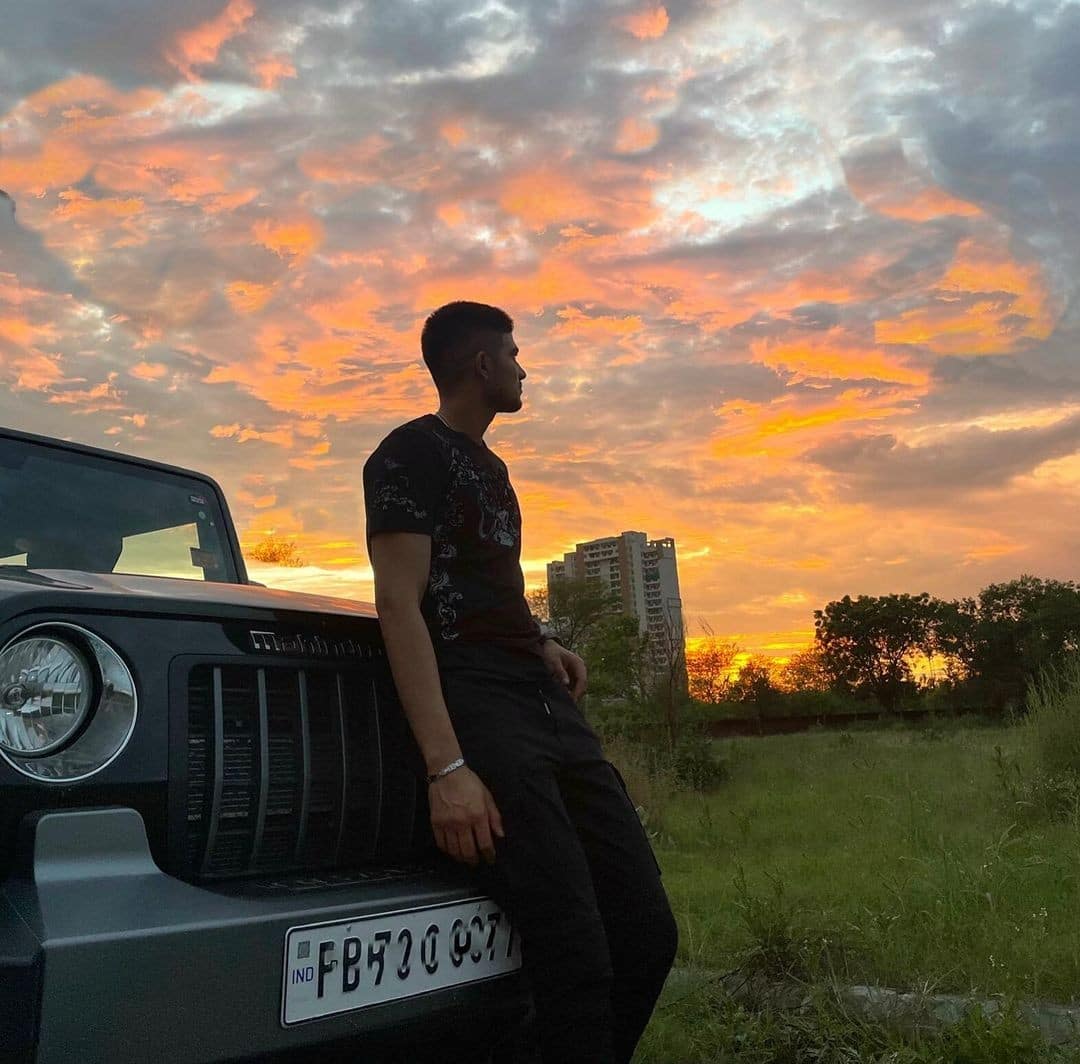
(427,478)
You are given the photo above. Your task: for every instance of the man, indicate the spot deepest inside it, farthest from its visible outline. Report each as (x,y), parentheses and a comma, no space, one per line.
(517,782)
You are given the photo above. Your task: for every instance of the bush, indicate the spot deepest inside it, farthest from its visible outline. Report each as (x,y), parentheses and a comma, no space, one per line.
(1044,781)
(655,774)
(618,718)
(1053,720)
(694,762)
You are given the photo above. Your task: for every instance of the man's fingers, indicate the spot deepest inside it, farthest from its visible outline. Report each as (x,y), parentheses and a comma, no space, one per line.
(464,818)
(451,847)
(484,841)
(579,681)
(467,846)
(495,818)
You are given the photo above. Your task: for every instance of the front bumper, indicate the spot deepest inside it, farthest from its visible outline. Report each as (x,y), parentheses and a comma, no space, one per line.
(104,958)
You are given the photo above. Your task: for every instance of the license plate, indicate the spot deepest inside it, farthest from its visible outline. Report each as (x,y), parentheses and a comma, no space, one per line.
(353,964)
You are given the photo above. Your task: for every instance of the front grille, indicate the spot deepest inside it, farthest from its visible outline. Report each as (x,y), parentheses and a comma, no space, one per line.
(290,769)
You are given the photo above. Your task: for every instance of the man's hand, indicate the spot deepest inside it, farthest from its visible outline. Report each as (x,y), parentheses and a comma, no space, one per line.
(464,817)
(565,666)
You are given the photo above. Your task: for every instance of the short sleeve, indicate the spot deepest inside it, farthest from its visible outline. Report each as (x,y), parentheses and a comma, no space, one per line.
(404,482)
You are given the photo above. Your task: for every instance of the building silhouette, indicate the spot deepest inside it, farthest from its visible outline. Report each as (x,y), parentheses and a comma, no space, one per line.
(644,574)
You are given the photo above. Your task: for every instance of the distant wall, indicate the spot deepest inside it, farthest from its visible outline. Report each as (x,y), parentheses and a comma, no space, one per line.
(719,729)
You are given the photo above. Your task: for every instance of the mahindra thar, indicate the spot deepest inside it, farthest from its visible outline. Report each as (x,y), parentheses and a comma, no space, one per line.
(213,842)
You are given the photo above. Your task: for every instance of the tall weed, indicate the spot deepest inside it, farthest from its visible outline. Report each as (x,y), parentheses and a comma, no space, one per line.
(651,786)
(1053,719)
(1050,787)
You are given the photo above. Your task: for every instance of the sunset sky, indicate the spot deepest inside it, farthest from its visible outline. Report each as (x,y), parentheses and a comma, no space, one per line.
(795,283)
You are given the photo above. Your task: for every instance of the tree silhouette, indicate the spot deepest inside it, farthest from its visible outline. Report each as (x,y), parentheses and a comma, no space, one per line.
(867,644)
(804,671)
(710,668)
(576,606)
(1017,628)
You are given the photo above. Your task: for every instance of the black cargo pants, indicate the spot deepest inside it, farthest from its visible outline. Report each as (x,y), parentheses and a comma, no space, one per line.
(575,870)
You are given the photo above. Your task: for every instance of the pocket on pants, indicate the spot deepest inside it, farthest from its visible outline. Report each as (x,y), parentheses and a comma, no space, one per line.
(633,810)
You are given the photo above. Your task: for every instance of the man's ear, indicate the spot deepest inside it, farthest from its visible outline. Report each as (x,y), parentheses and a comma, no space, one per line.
(482,363)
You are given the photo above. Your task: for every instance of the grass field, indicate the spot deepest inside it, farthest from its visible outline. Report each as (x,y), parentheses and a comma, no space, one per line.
(890,857)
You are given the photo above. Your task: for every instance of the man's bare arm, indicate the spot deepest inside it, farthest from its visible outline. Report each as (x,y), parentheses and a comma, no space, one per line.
(464,816)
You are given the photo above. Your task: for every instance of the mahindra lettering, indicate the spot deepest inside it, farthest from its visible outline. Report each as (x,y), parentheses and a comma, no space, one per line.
(213,838)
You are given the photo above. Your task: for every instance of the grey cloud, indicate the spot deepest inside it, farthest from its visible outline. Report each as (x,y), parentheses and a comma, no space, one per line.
(972,387)
(122,40)
(884,470)
(817,316)
(23,254)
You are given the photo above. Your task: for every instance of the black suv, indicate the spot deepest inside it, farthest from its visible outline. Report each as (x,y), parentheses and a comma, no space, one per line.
(213,845)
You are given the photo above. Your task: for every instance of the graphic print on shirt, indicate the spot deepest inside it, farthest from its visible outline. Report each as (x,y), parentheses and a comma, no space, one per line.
(396,491)
(497,512)
(498,521)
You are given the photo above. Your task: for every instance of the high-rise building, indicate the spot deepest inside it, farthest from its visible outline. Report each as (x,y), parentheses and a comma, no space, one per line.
(645,576)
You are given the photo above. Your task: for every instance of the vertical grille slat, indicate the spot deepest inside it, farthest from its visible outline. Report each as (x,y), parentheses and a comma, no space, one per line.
(324,775)
(264,771)
(340,693)
(237,727)
(290,769)
(305,793)
(218,760)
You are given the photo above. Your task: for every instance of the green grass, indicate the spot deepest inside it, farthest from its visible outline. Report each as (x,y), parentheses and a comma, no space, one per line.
(892,857)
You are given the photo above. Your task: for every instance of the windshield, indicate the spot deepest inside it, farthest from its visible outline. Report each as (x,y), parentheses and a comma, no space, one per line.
(63,510)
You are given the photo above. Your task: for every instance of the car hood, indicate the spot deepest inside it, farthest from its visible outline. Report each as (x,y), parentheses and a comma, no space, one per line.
(151,593)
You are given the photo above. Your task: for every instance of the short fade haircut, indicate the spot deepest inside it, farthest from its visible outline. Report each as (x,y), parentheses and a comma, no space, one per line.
(450,338)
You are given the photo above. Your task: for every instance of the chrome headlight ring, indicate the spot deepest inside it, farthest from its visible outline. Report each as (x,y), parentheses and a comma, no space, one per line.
(96,740)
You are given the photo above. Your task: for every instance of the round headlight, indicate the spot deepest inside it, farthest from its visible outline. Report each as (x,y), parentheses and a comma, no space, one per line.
(46,688)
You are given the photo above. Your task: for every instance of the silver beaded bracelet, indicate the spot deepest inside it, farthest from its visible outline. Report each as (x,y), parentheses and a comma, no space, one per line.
(452,767)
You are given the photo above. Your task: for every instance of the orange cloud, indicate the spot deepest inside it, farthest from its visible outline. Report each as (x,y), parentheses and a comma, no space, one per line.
(290,240)
(913,201)
(573,322)
(451,214)
(21,332)
(149,371)
(453,132)
(635,134)
(247,297)
(352,310)
(35,172)
(178,172)
(834,355)
(986,303)
(201,45)
(351,164)
(272,69)
(546,197)
(929,204)
(103,396)
(35,371)
(256,501)
(783,428)
(992,546)
(888,182)
(556,280)
(282,437)
(106,221)
(648,24)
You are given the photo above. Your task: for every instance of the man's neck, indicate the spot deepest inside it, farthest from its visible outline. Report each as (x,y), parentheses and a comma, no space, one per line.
(465,418)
